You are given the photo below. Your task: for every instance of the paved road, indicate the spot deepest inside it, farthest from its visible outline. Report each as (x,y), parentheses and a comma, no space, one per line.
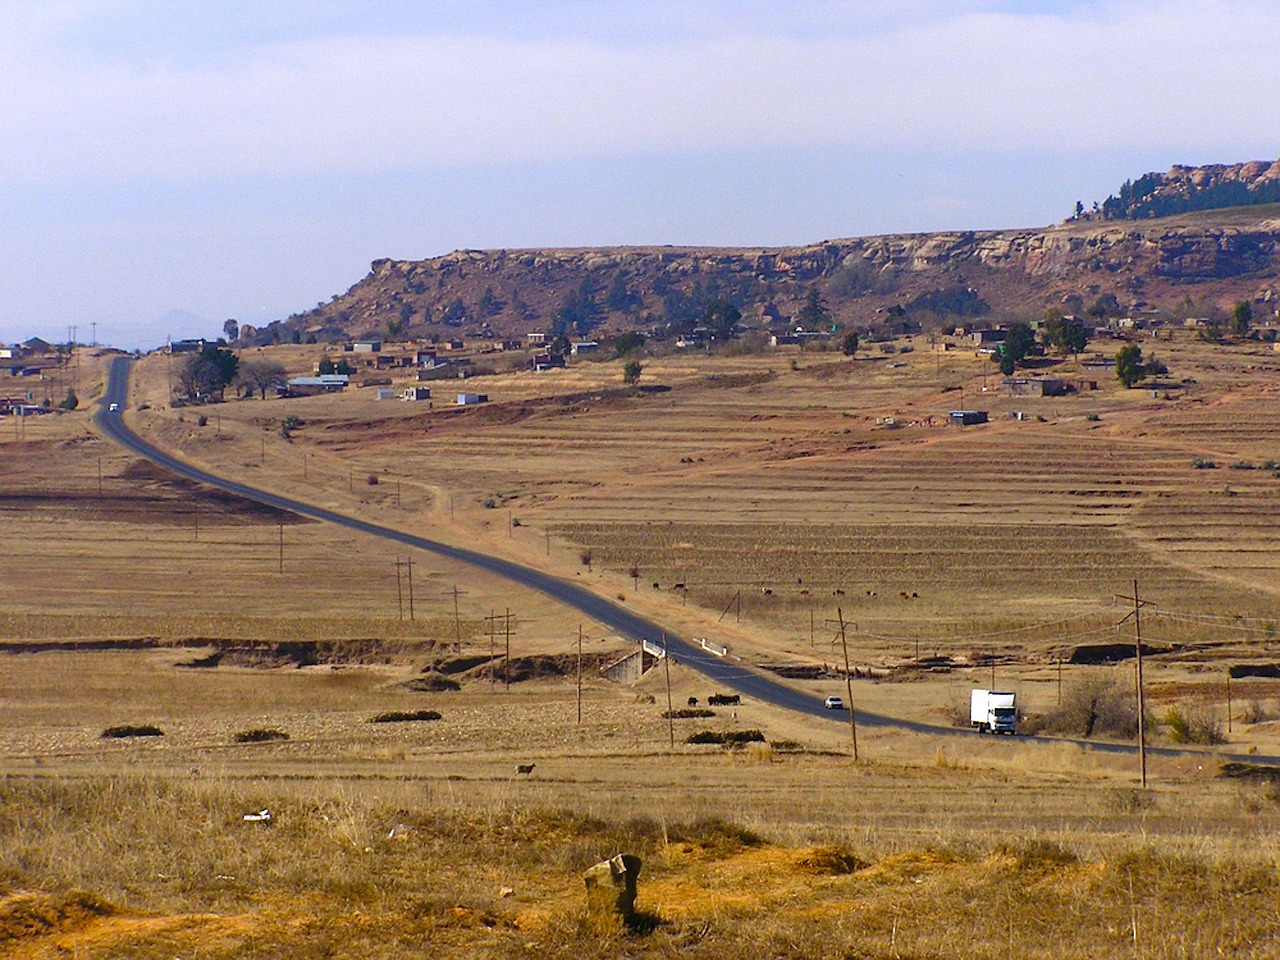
(720,671)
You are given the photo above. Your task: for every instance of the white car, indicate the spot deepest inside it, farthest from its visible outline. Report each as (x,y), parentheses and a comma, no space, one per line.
(114,407)
(833,703)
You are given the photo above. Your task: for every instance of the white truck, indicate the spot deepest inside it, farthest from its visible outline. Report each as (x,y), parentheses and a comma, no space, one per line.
(991,711)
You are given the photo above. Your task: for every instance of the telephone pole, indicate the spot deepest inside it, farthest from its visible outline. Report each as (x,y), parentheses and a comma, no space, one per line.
(399,591)
(409,564)
(1136,613)
(579,674)
(671,721)
(848,686)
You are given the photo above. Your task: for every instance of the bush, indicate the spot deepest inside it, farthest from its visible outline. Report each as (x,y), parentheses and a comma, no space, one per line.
(406,716)
(132,730)
(260,736)
(1094,707)
(1194,727)
(1092,417)
(1242,465)
(1204,463)
(70,401)
(687,713)
(372,480)
(730,738)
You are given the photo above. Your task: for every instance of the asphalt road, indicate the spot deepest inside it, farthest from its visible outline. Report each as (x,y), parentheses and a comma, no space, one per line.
(721,672)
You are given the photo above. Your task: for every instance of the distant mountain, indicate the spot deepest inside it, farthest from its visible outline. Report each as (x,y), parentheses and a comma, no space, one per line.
(1184,189)
(1213,257)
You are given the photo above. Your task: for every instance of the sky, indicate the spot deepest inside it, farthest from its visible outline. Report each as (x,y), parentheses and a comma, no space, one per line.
(247,159)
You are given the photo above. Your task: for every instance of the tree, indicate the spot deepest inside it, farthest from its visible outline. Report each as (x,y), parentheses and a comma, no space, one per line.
(259,374)
(1241,317)
(722,318)
(1129,365)
(850,343)
(631,372)
(208,372)
(232,330)
(628,342)
(1105,306)
(70,401)
(814,315)
(1074,336)
(344,368)
(324,367)
(1018,343)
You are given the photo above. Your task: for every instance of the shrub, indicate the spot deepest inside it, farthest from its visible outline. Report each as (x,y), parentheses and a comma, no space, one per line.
(406,716)
(1093,707)
(687,713)
(729,738)
(1269,465)
(260,736)
(1204,463)
(1092,417)
(372,480)
(132,730)
(1242,465)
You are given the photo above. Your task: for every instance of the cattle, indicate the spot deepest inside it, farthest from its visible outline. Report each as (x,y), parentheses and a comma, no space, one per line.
(693,701)
(525,769)
(724,699)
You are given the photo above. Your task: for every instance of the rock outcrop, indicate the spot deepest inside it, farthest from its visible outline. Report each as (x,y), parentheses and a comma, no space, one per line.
(1222,256)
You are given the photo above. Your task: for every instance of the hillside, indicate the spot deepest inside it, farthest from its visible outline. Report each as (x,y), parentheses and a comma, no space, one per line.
(1212,257)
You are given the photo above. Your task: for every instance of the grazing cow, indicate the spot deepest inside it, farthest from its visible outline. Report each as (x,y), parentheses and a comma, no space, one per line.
(525,769)
(693,701)
(723,699)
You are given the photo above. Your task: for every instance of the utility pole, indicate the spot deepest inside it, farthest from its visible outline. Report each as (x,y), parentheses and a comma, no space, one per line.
(848,686)
(506,666)
(197,506)
(579,674)
(1228,699)
(1136,613)
(457,623)
(409,564)
(666,664)
(493,624)
(282,548)
(399,591)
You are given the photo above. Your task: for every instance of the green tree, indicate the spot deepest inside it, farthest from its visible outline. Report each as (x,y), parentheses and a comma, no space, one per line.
(850,343)
(232,330)
(1074,336)
(344,368)
(70,401)
(1129,366)
(631,372)
(722,318)
(1018,343)
(1241,317)
(814,315)
(208,372)
(324,367)
(628,342)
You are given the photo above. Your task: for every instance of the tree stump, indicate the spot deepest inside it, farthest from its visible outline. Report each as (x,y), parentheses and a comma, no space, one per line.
(611,886)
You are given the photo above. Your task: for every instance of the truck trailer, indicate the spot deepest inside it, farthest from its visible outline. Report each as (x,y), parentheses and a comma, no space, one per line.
(991,711)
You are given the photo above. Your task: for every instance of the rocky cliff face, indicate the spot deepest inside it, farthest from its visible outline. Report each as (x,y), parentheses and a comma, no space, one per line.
(1220,257)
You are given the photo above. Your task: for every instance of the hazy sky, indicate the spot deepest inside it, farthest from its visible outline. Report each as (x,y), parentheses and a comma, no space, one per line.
(248,159)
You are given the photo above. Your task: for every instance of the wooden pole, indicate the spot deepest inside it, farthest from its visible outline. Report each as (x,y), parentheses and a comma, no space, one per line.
(493,626)
(506,665)
(671,721)
(282,548)
(579,673)
(1228,699)
(457,622)
(848,687)
(399,591)
(197,506)
(409,565)
(1142,707)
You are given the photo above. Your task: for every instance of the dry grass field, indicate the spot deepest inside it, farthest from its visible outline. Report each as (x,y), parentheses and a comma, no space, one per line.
(775,489)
